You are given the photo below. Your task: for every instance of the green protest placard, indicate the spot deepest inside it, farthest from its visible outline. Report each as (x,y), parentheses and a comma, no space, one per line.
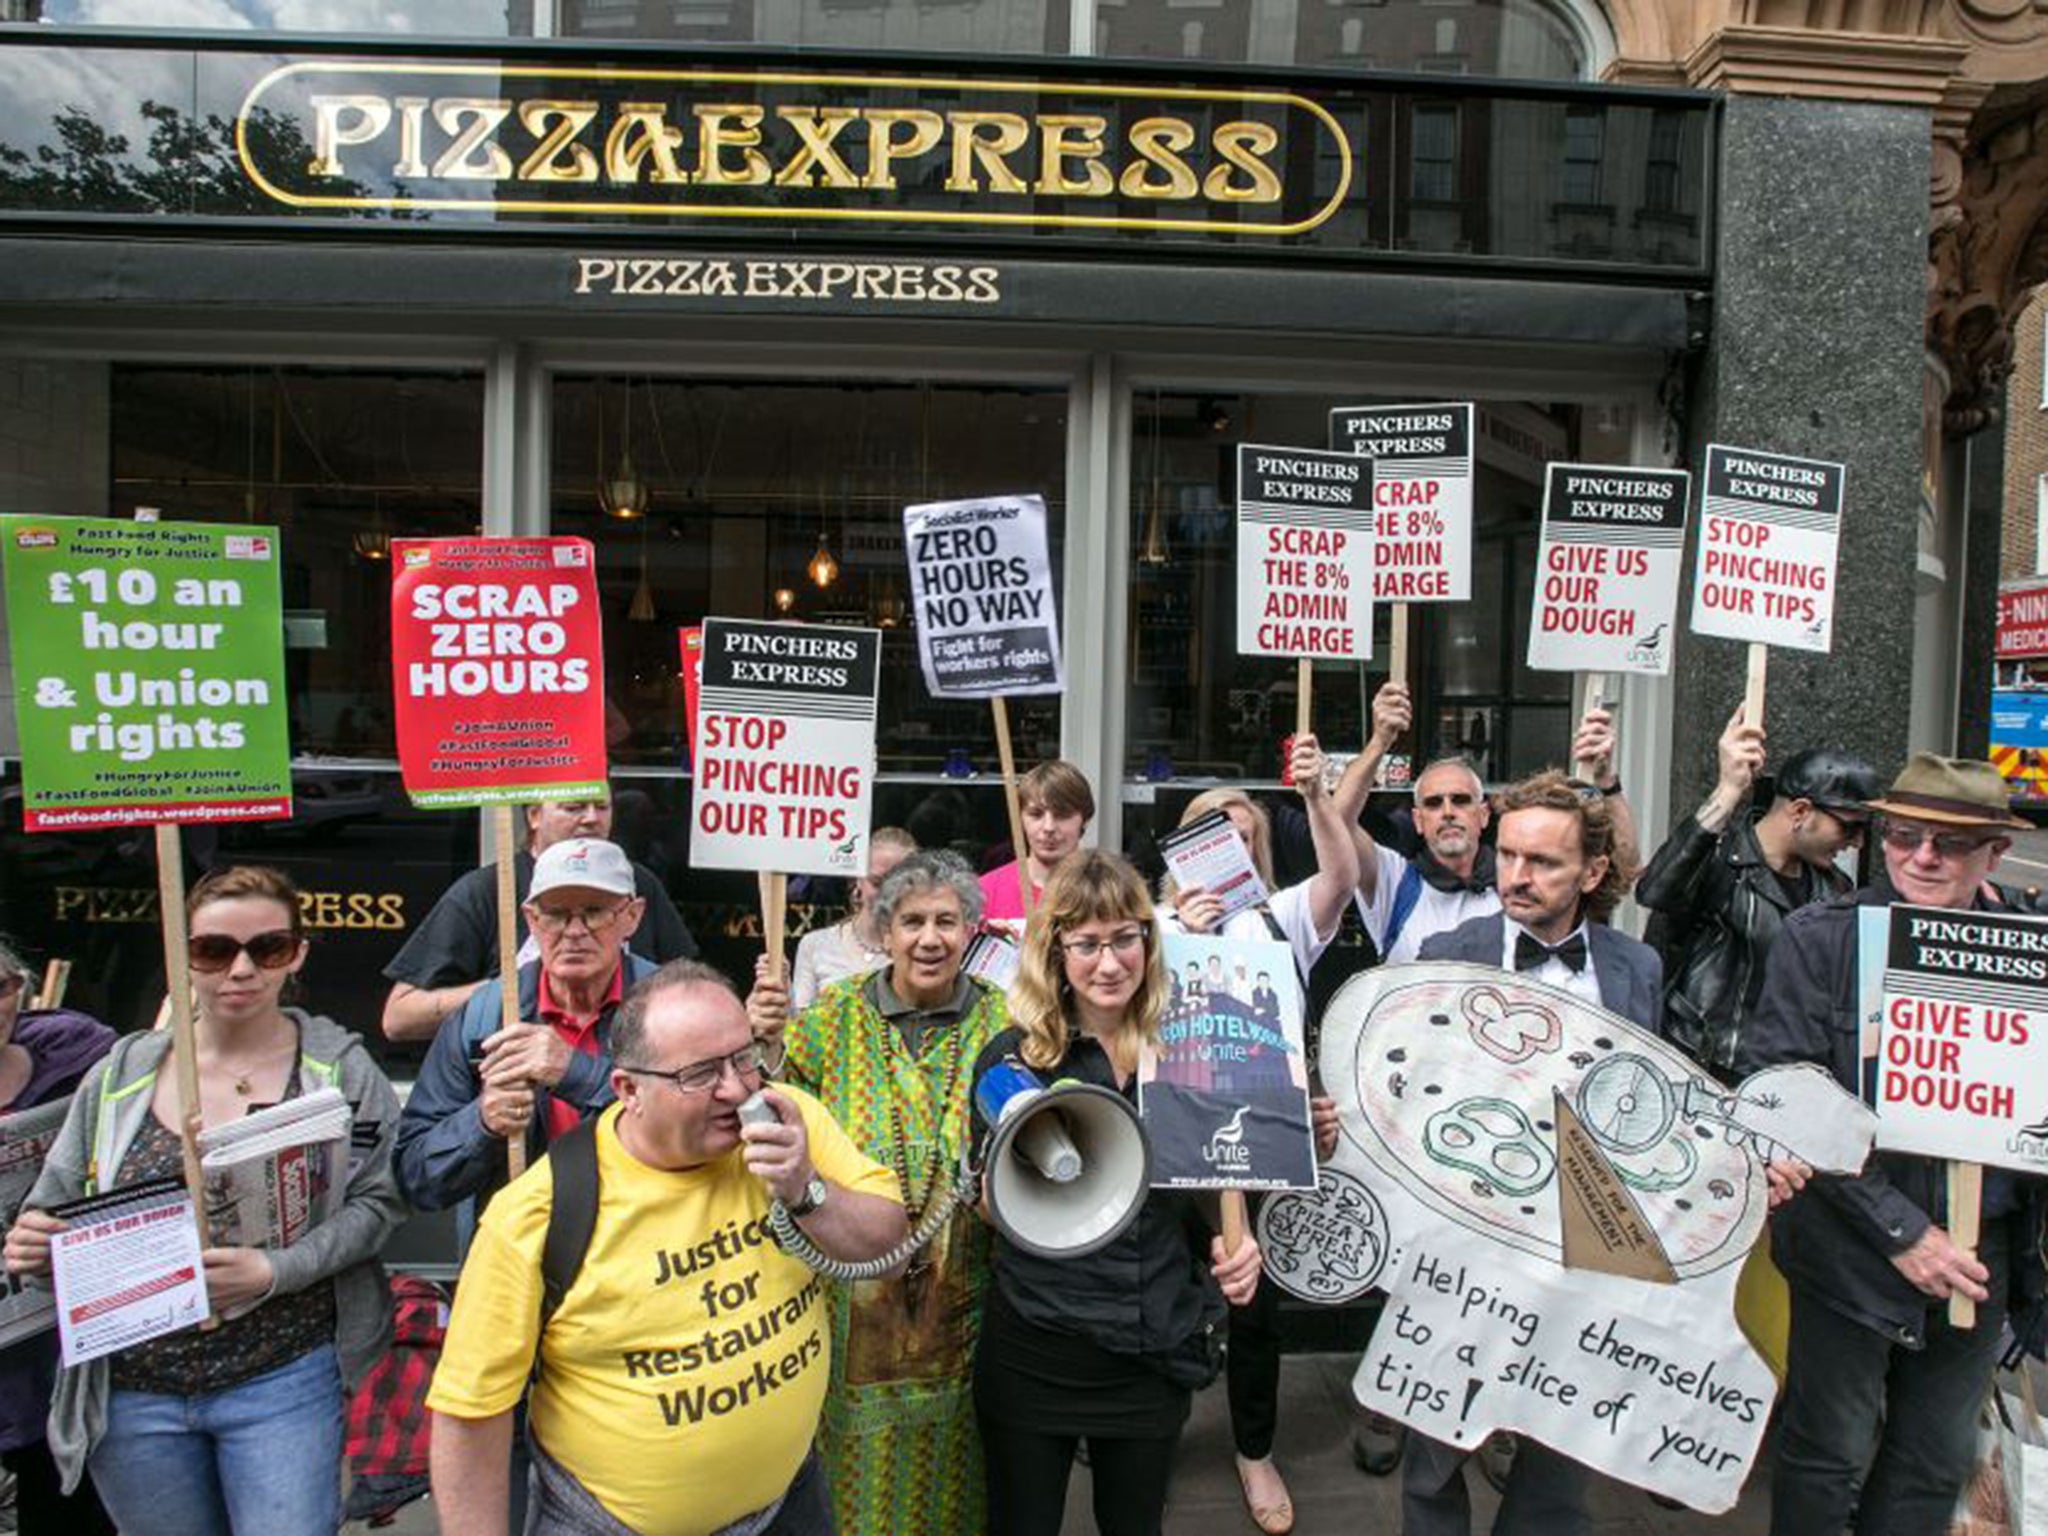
(148,671)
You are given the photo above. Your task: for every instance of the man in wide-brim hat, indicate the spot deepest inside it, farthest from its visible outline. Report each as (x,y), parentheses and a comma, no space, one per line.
(1881,1390)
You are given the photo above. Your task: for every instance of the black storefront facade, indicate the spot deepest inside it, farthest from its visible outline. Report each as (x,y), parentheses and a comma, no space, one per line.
(726,310)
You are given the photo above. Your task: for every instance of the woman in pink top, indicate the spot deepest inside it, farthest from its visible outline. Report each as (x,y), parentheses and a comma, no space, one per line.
(1057,805)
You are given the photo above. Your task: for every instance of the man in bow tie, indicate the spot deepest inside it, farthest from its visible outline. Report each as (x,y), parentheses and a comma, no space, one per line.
(1560,871)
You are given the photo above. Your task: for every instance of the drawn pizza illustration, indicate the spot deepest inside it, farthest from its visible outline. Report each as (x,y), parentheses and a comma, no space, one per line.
(1516,1110)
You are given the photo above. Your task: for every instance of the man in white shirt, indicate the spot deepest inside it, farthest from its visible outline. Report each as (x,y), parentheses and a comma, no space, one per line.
(1405,902)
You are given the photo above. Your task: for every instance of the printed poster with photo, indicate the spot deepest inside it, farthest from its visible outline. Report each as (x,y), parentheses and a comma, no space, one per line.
(1224,1093)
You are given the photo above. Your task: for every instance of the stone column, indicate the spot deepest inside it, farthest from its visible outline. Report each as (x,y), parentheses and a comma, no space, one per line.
(1815,348)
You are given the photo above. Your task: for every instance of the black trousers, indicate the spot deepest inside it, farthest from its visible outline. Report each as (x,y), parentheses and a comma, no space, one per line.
(1252,1372)
(1028,1472)
(1861,1412)
(40,1509)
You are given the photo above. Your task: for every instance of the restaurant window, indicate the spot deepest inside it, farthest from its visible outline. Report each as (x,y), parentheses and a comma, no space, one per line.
(1433,154)
(339,462)
(946,26)
(426,18)
(1585,133)
(1513,39)
(1199,712)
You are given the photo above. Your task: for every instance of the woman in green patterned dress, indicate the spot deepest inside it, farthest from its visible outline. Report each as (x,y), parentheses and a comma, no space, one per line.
(891,1055)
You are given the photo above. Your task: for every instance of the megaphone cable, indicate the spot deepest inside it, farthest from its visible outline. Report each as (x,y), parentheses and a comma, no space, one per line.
(799,1247)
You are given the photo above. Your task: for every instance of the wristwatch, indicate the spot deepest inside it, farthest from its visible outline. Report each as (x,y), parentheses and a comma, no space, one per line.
(812,1197)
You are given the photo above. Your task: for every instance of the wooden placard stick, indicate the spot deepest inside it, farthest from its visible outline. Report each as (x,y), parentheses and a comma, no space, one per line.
(170,892)
(1010,804)
(774,919)
(1304,684)
(1397,645)
(1965,1207)
(1753,688)
(508,952)
(1595,698)
(56,979)
(1233,1220)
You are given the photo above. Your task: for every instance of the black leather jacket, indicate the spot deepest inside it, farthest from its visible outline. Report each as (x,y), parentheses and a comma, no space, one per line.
(1718,910)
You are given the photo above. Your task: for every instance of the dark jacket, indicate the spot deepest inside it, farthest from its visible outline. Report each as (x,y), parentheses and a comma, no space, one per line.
(1629,973)
(1719,910)
(445,1156)
(1837,1239)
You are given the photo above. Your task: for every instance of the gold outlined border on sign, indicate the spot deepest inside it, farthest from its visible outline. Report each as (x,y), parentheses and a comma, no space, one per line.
(747,77)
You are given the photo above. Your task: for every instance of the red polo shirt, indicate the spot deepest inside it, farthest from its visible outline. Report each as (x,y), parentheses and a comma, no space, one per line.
(579,1031)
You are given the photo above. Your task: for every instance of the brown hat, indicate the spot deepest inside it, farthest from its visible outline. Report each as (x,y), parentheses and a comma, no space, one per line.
(1956,791)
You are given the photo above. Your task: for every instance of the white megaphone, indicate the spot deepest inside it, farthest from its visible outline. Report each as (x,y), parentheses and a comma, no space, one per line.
(1068,1165)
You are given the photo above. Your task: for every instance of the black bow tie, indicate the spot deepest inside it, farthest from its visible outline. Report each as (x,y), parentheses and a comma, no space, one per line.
(1530,953)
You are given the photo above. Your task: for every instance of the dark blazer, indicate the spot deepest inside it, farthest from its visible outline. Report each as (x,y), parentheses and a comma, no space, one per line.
(1631,976)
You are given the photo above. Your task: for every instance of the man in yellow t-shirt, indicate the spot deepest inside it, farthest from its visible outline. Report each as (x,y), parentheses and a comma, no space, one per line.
(680,1378)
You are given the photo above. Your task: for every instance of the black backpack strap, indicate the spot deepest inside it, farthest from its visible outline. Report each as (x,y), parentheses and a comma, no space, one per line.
(572,1213)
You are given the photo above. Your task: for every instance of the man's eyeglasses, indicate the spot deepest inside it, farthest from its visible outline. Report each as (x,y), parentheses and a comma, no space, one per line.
(212,952)
(1127,943)
(595,920)
(1906,837)
(1461,799)
(747,1064)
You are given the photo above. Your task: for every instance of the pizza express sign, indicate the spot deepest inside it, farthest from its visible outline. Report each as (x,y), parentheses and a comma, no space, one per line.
(551,140)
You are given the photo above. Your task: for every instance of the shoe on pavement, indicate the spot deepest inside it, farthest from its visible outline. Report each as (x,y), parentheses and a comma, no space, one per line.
(1376,1445)
(1265,1495)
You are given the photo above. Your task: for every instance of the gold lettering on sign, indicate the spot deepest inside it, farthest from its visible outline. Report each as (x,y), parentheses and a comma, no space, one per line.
(885,148)
(472,120)
(371,114)
(570,119)
(816,128)
(1070,136)
(643,132)
(1244,145)
(729,127)
(120,904)
(1157,141)
(972,146)
(412,118)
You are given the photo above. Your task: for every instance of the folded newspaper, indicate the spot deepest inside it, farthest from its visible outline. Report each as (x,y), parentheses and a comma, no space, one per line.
(25,1139)
(273,1176)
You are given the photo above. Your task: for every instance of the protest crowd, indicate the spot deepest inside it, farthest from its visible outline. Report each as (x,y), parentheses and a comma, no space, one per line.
(995,1173)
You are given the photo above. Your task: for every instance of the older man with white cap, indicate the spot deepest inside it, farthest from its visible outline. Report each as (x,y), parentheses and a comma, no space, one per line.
(482,1084)
(1878,1423)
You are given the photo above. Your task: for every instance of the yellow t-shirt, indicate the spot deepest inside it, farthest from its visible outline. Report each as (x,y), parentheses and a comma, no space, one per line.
(682,1375)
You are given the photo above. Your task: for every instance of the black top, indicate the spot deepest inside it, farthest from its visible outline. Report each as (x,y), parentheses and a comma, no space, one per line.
(1148,1296)
(457,941)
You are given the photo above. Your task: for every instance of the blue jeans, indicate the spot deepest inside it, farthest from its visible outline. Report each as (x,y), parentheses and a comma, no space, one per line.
(262,1458)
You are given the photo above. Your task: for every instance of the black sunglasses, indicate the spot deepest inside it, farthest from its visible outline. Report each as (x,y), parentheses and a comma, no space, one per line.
(211,952)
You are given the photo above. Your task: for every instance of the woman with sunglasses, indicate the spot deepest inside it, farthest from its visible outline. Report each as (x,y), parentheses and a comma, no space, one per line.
(236,1428)
(888,1054)
(1305,917)
(44,1052)
(1111,1346)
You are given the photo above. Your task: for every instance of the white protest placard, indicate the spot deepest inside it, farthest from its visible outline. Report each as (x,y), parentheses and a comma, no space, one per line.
(1305,556)
(1962,1050)
(1769,527)
(126,1268)
(1208,853)
(783,766)
(981,597)
(992,957)
(1607,569)
(1421,495)
(1561,1207)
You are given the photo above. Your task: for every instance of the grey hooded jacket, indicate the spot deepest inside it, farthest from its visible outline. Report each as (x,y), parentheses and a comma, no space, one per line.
(105,1117)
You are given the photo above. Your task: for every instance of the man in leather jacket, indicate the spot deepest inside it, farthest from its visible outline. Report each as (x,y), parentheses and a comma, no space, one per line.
(1881,1390)
(1724,882)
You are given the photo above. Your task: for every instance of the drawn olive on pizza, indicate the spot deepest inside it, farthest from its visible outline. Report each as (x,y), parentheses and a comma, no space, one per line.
(1518,1111)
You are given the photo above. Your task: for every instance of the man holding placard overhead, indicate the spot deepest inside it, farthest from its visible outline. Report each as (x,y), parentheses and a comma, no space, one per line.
(1882,1386)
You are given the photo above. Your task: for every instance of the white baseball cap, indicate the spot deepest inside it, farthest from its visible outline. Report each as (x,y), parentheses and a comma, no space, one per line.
(582,863)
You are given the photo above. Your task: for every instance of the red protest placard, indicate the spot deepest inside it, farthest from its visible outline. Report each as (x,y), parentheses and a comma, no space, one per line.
(692,641)
(497,670)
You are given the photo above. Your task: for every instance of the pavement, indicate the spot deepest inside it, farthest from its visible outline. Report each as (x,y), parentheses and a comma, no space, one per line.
(1331,1496)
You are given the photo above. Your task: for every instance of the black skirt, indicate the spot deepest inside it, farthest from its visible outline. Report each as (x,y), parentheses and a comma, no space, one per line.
(1059,1382)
